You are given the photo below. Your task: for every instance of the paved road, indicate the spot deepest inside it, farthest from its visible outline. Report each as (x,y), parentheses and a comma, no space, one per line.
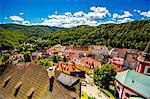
(92,90)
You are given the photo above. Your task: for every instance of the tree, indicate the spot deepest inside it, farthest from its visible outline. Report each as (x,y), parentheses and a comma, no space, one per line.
(104,60)
(65,59)
(55,59)
(45,62)
(27,57)
(103,76)
(5,59)
(134,35)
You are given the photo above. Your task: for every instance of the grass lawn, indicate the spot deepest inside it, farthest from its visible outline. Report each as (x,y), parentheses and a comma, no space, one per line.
(109,92)
(84,95)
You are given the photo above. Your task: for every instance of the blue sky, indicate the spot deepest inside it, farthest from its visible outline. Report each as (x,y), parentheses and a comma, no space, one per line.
(69,13)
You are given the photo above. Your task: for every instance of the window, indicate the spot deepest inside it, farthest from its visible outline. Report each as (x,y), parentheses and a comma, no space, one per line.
(127,95)
(118,88)
(147,70)
(64,68)
(86,62)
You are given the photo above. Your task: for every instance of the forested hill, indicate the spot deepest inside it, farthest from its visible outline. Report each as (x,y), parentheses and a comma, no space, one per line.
(34,30)
(134,35)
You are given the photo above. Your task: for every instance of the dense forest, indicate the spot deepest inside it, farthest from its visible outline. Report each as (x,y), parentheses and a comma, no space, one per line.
(20,38)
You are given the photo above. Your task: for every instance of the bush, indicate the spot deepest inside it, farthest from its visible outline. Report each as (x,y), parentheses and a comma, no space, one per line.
(45,62)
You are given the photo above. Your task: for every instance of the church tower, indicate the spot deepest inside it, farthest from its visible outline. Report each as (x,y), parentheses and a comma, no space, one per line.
(144,61)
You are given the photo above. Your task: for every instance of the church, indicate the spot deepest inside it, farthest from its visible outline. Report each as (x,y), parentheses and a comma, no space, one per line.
(132,84)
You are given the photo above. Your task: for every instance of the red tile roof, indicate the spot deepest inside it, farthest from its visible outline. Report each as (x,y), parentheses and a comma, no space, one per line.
(78,47)
(89,61)
(99,47)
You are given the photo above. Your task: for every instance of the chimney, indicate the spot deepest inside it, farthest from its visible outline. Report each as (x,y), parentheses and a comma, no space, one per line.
(51,81)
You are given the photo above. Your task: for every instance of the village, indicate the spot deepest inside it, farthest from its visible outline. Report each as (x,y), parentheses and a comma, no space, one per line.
(67,72)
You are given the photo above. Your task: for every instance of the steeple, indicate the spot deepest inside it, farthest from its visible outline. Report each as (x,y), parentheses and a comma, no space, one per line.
(146,53)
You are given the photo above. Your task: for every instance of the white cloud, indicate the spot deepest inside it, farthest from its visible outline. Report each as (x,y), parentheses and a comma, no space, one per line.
(125,15)
(138,11)
(6,18)
(69,19)
(21,13)
(19,20)
(56,12)
(57,16)
(115,15)
(25,22)
(68,14)
(95,17)
(79,14)
(146,14)
(108,22)
(16,18)
(93,8)
(100,11)
(42,18)
(16,22)
(125,20)
(64,21)
(142,18)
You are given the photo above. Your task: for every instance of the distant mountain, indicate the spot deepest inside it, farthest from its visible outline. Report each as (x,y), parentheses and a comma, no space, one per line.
(34,30)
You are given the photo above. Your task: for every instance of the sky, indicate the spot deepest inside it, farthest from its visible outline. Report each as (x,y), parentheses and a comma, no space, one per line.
(70,13)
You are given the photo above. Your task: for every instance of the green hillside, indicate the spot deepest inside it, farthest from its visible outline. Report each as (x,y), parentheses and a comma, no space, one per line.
(134,35)
(30,30)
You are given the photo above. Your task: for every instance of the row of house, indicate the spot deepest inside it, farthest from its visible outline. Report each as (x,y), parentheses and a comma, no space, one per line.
(124,58)
(84,64)
(80,63)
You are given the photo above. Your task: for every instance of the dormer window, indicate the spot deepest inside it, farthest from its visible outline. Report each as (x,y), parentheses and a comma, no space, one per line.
(6,81)
(92,64)
(4,84)
(86,62)
(16,88)
(30,93)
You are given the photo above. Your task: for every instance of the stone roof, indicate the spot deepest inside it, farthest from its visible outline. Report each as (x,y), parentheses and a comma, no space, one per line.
(32,80)
(33,76)
(67,79)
